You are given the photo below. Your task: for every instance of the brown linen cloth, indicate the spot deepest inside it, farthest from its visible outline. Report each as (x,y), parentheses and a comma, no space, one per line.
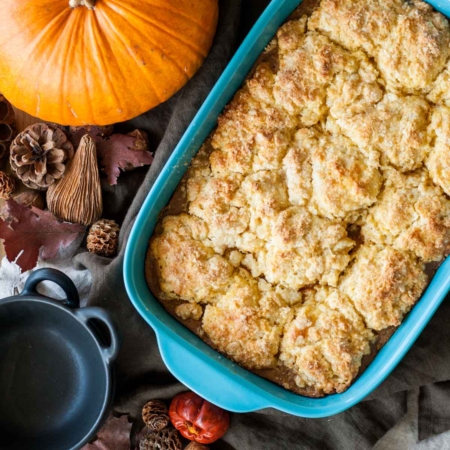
(141,374)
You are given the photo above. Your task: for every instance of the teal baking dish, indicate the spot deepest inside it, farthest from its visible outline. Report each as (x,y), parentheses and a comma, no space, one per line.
(194,363)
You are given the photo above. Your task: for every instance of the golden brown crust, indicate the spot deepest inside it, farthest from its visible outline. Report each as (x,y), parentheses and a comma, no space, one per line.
(396,128)
(383,284)
(408,40)
(296,241)
(412,214)
(438,162)
(326,342)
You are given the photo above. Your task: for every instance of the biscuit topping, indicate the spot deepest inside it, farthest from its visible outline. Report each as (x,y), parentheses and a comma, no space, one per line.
(316,202)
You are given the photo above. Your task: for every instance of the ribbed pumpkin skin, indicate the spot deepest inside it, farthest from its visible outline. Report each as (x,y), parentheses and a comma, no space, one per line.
(78,66)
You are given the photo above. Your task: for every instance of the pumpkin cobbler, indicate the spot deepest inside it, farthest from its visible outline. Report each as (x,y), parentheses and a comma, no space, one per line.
(307,225)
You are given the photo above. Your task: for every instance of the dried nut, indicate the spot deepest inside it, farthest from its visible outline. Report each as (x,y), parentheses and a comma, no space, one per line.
(6,111)
(39,154)
(94,130)
(196,446)
(103,238)
(167,439)
(30,197)
(155,415)
(77,197)
(7,186)
(140,145)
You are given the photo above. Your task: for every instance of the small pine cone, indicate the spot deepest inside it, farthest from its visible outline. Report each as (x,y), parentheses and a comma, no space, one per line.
(167,439)
(103,238)
(155,415)
(39,154)
(7,186)
(196,446)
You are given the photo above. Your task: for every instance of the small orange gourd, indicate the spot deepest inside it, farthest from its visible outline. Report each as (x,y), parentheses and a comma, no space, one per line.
(98,62)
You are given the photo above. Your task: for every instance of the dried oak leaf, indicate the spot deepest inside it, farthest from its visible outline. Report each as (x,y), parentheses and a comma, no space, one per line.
(115,435)
(32,231)
(116,153)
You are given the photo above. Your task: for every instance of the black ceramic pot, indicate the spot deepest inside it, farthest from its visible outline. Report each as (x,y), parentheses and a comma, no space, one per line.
(56,378)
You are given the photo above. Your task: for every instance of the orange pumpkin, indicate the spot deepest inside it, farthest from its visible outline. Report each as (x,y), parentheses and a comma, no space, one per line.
(100,62)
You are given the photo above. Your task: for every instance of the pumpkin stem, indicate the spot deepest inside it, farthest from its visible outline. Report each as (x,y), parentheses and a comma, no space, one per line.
(90,4)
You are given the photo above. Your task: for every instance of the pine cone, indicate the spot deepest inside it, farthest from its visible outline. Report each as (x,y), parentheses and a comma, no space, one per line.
(155,415)
(7,186)
(38,155)
(167,439)
(103,238)
(196,446)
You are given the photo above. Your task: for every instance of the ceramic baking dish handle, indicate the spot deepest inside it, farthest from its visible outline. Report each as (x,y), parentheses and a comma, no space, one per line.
(61,279)
(207,378)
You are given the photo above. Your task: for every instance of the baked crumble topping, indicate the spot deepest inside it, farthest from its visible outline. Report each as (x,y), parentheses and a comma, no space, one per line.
(315,204)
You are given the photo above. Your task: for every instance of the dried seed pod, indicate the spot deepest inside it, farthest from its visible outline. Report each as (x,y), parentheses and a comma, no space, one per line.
(77,197)
(103,239)
(7,186)
(196,446)
(6,111)
(155,415)
(140,145)
(167,439)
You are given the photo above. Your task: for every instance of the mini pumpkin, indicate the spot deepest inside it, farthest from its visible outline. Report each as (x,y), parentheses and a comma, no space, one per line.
(197,419)
(97,62)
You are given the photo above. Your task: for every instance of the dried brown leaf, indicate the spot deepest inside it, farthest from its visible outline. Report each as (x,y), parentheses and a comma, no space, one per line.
(115,435)
(116,153)
(33,232)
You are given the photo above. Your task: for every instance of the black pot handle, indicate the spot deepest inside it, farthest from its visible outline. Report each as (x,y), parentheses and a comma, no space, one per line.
(86,314)
(61,279)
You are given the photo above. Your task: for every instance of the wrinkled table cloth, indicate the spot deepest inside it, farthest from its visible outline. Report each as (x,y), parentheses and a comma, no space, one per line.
(415,397)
